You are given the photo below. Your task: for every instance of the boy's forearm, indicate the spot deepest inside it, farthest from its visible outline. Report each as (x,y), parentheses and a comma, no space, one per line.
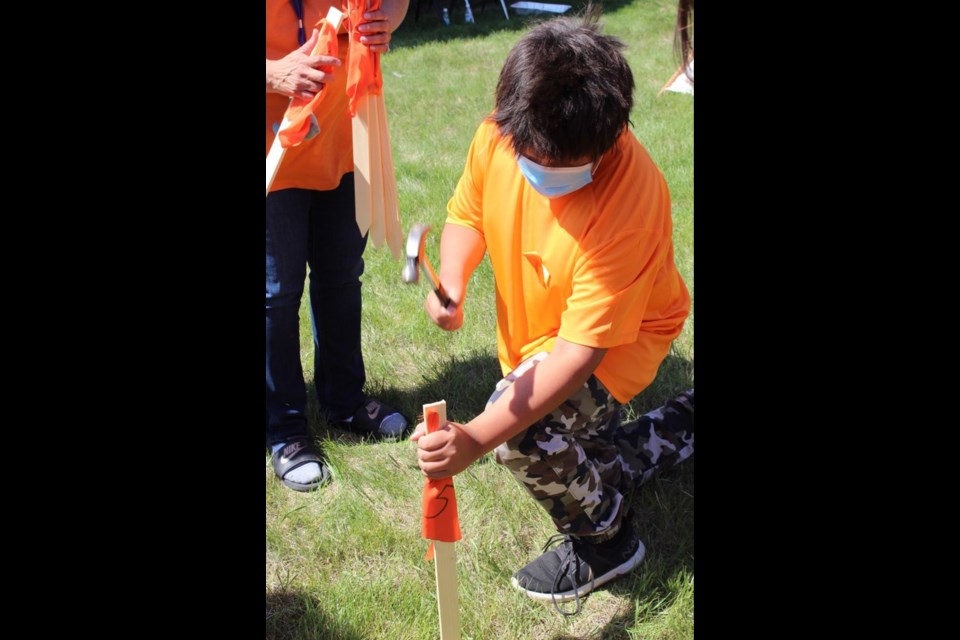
(535,394)
(461,250)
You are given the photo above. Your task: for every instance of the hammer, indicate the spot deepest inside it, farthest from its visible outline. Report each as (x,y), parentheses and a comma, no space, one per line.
(417,257)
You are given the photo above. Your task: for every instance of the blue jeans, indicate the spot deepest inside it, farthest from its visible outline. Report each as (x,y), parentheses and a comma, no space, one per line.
(319,229)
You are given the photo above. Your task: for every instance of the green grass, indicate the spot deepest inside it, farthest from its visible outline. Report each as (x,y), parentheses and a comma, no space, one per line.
(346,562)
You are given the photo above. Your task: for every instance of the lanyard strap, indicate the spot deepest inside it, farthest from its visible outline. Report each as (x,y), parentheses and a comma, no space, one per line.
(298,9)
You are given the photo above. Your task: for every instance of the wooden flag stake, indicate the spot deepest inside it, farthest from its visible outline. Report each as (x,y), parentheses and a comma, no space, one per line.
(377,223)
(445,555)
(362,178)
(391,209)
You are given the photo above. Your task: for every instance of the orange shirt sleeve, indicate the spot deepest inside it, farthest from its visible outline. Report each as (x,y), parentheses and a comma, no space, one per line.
(466,206)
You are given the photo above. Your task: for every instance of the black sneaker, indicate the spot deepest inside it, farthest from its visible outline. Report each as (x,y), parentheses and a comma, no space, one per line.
(377,419)
(576,567)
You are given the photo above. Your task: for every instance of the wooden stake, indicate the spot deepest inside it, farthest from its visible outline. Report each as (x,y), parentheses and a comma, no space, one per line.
(375,184)
(274,157)
(377,226)
(361,166)
(445,557)
(391,210)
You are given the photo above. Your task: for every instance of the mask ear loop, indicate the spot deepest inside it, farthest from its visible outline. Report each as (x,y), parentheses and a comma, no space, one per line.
(597,165)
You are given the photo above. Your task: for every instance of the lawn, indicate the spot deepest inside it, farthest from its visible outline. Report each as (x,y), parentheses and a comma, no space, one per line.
(347,562)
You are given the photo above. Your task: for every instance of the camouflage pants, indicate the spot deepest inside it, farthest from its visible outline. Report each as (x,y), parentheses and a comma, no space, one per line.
(579,460)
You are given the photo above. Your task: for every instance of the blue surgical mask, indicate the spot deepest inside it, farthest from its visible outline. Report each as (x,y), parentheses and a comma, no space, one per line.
(554,182)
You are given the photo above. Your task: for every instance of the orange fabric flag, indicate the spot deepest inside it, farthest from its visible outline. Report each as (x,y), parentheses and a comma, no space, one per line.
(297,116)
(363,66)
(440,519)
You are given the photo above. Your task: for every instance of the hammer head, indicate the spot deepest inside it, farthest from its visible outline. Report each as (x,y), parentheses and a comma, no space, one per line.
(417,259)
(416,242)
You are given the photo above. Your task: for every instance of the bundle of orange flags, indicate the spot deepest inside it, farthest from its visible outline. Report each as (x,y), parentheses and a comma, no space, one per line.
(375,185)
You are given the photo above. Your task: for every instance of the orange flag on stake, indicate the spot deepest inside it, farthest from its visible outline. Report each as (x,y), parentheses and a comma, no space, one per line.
(441,526)
(296,120)
(440,519)
(363,65)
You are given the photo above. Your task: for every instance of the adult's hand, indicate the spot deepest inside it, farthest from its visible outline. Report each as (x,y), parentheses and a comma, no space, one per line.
(375,33)
(297,75)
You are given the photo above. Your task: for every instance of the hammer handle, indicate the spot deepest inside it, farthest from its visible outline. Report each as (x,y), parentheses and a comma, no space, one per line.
(437,287)
(444,299)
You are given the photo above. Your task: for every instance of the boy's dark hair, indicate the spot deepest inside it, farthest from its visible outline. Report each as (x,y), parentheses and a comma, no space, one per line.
(565,91)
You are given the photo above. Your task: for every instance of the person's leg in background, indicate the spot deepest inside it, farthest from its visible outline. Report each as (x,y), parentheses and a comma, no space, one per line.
(296,460)
(335,256)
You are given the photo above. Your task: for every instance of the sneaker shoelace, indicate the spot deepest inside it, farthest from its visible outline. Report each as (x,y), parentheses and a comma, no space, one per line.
(571,558)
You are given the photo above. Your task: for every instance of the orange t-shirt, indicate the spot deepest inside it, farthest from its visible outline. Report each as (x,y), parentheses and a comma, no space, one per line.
(594,267)
(320,162)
